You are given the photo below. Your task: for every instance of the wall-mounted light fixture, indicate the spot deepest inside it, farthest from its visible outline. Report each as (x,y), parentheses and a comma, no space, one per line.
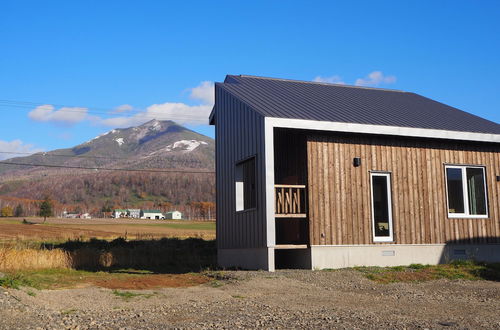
(498,178)
(356,161)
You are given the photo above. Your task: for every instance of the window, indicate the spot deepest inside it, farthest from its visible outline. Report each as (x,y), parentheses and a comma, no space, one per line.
(381,207)
(245,185)
(466,191)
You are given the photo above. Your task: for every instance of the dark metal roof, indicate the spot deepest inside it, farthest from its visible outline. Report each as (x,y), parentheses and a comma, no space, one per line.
(282,98)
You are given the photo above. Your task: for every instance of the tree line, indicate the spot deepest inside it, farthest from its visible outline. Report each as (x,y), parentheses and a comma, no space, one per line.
(192,194)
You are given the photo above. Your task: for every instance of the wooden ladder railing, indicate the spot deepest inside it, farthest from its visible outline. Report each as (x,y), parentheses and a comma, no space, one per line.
(290,201)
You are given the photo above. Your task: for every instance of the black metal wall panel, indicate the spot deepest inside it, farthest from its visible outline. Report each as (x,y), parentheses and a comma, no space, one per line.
(239,134)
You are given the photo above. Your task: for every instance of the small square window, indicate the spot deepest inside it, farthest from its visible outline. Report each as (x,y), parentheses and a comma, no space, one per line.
(245,185)
(466,192)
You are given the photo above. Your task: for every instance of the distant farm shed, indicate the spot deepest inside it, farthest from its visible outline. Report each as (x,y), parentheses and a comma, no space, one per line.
(119,213)
(318,175)
(134,213)
(173,215)
(152,214)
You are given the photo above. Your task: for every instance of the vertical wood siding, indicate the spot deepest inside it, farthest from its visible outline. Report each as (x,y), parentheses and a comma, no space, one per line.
(239,134)
(340,200)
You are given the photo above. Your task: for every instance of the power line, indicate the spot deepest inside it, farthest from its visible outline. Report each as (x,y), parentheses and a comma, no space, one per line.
(109,112)
(34,104)
(56,155)
(87,110)
(110,169)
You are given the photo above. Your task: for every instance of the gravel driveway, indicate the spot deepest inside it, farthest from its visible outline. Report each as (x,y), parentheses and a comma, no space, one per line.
(284,299)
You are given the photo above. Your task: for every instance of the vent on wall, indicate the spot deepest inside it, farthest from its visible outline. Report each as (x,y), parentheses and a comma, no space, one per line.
(459,252)
(389,253)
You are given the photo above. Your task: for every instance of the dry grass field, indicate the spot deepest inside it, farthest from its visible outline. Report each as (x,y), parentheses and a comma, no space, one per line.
(101,251)
(56,229)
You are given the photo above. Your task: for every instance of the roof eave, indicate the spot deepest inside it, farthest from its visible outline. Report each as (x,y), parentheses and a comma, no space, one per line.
(382,130)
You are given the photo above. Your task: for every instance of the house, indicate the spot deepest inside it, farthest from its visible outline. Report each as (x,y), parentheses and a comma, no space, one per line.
(134,213)
(119,213)
(152,214)
(70,215)
(315,175)
(175,215)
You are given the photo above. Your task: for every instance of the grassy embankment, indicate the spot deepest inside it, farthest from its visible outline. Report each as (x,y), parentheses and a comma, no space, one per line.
(145,263)
(117,264)
(456,270)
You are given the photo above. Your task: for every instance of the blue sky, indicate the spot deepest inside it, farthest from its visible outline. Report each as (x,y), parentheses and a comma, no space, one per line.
(76,69)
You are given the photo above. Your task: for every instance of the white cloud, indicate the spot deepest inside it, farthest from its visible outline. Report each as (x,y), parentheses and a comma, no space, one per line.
(331,80)
(16,146)
(123,108)
(375,79)
(64,115)
(179,112)
(204,92)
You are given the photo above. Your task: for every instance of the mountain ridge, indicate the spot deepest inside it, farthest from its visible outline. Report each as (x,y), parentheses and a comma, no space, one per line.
(105,181)
(154,144)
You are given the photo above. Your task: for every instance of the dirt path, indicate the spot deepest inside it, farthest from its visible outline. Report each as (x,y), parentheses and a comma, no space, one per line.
(285,299)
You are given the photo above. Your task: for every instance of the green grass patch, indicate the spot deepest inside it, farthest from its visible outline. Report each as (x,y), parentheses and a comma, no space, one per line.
(10,221)
(186,224)
(216,284)
(127,295)
(189,225)
(15,281)
(31,293)
(69,311)
(463,270)
(61,278)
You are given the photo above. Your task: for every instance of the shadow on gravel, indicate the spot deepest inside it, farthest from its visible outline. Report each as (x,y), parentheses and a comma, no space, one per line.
(162,256)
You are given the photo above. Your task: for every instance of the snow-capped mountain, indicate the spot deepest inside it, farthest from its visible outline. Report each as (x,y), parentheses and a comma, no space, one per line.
(155,144)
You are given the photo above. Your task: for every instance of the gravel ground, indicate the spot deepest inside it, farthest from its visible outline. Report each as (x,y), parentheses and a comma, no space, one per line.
(284,299)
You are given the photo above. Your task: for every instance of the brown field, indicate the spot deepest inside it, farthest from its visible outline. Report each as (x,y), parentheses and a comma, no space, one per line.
(55,229)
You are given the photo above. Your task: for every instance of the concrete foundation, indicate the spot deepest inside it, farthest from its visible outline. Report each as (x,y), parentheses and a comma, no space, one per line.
(382,255)
(343,256)
(255,259)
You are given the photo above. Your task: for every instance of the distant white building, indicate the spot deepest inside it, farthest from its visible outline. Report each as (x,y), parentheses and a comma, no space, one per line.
(174,215)
(152,214)
(119,213)
(76,215)
(70,215)
(134,213)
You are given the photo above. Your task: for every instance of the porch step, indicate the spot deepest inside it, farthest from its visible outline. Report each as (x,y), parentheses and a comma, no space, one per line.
(290,215)
(290,246)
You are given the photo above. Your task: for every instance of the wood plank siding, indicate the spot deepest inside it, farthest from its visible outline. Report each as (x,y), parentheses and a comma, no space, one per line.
(340,200)
(239,135)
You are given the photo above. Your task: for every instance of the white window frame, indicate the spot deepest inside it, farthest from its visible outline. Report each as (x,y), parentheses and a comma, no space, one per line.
(240,185)
(389,238)
(465,190)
